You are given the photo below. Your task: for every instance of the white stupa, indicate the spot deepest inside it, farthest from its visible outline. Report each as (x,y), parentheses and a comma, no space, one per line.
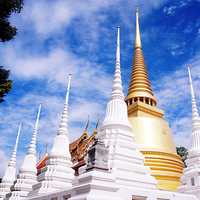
(10,172)
(57,174)
(191,175)
(27,176)
(125,160)
(126,171)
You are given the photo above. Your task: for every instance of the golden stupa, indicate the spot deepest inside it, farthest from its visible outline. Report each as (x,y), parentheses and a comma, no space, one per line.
(150,128)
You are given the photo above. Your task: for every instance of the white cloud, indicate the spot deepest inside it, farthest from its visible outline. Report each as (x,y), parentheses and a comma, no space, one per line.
(47,17)
(173,95)
(51,16)
(169,10)
(55,68)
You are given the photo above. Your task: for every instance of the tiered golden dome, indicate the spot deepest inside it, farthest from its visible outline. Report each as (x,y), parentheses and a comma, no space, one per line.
(151,130)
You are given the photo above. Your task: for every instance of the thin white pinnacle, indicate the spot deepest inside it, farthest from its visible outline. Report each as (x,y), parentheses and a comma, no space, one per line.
(32,146)
(12,161)
(63,127)
(137,32)
(195,113)
(117,91)
(194,105)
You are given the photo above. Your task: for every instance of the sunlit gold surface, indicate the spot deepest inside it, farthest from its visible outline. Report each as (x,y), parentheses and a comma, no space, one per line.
(150,129)
(139,85)
(153,134)
(166,168)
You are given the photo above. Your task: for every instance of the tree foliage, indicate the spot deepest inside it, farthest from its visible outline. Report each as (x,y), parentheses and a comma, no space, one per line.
(7,7)
(183,153)
(5,83)
(7,32)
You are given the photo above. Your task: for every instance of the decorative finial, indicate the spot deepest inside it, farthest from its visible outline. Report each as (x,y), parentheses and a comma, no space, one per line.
(195,113)
(97,124)
(14,153)
(138,43)
(63,127)
(116,111)
(87,123)
(117,82)
(118,46)
(32,146)
(68,88)
(46,148)
(194,105)
(191,84)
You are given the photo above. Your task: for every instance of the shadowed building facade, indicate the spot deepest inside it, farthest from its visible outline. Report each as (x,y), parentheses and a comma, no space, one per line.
(151,130)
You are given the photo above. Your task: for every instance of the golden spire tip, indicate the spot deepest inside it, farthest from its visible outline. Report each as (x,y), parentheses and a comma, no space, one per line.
(137,32)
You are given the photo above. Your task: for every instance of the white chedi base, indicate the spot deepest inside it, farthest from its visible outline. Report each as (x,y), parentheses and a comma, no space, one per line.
(5,189)
(7,180)
(58,174)
(126,162)
(26,179)
(23,185)
(190,181)
(95,185)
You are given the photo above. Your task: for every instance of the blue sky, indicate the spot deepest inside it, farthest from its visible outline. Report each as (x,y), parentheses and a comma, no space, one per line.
(56,38)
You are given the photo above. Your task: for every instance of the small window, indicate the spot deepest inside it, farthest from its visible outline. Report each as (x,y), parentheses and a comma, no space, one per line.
(130,102)
(141,99)
(139,198)
(192,181)
(67,196)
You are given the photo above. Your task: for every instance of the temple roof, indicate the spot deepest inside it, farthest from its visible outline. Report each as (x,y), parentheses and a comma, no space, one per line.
(78,149)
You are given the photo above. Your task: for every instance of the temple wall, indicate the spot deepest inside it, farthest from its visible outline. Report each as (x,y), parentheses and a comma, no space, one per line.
(125,195)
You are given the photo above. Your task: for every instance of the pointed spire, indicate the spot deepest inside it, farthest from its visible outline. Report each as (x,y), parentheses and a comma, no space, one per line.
(139,86)
(27,176)
(194,105)
(87,123)
(46,148)
(195,113)
(97,124)
(68,89)
(32,146)
(116,112)
(63,127)
(117,91)
(12,161)
(137,32)
(10,172)
(58,173)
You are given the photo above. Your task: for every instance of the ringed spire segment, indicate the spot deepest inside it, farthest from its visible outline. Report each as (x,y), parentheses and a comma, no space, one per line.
(32,147)
(195,113)
(117,91)
(63,126)
(139,87)
(13,157)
